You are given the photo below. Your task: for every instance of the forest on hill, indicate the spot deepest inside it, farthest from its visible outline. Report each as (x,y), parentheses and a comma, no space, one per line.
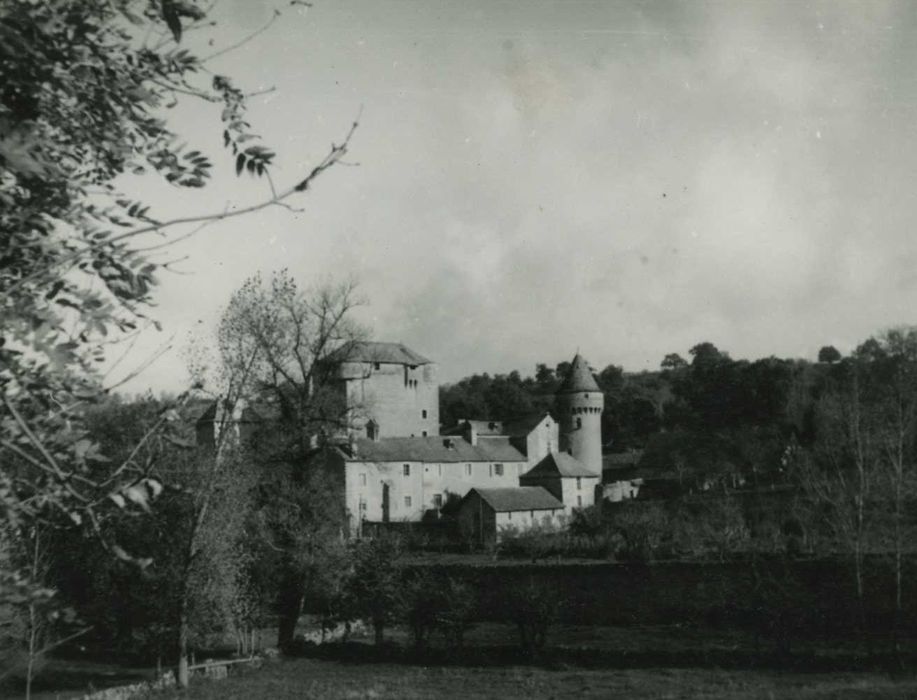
(706,413)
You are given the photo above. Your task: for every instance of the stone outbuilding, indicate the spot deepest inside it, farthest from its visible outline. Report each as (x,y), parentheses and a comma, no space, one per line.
(484,514)
(566,478)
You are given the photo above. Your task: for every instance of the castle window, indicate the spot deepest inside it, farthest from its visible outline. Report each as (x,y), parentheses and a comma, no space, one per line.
(498,469)
(579,483)
(407,469)
(468,469)
(424,433)
(579,422)
(509,516)
(438,500)
(579,501)
(362,479)
(490,469)
(407,501)
(377,365)
(423,413)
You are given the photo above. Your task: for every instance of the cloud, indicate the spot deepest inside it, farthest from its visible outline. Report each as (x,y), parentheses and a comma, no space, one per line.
(626,180)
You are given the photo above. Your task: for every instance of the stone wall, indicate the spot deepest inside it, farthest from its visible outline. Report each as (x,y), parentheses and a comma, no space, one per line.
(403,401)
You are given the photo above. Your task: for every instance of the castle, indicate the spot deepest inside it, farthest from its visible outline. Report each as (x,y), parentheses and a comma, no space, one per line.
(392,463)
(396,466)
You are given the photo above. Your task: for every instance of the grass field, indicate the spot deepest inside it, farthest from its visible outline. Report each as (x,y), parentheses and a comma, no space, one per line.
(308,678)
(491,671)
(593,662)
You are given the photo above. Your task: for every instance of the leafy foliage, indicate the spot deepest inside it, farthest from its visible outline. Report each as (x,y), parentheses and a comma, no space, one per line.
(274,342)
(373,589)
(84,93)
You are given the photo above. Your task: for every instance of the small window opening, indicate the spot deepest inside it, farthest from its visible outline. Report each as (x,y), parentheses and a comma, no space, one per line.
(498,469)
(438,500)
(407,469)
(423,413)
(407,501)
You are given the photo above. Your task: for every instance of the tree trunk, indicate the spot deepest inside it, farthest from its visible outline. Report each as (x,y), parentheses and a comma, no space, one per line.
(291,602)
(33,638)
(183,670)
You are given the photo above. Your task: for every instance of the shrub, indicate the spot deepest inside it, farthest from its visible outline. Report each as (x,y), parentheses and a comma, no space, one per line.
(421,603)
(455,617)
(373,589)
(644,528)
(533,608)
(430,603)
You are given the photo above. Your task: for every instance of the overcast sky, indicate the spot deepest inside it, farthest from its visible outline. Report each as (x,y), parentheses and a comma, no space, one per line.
(623,178)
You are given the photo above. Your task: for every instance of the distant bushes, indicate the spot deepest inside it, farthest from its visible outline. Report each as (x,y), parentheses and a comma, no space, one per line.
(434,604)
(532,607)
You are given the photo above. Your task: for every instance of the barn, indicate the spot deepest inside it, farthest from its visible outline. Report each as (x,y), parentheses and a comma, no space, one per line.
(484,514)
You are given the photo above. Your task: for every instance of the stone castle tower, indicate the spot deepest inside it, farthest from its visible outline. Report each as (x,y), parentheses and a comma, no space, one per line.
(580,403)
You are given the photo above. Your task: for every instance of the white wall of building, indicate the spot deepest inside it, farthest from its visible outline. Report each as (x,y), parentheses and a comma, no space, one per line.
(578,492)
(403,401)
(365,481)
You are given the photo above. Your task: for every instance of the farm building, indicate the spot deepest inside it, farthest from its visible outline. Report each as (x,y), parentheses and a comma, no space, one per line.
(485,514)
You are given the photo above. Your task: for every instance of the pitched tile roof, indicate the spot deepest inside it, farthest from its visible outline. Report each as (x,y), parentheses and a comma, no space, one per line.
(519,498)
(518,427)
(559,464)
(579,378)
(374,351)
(432,448)
(484,428)
(521,427)
(500,449)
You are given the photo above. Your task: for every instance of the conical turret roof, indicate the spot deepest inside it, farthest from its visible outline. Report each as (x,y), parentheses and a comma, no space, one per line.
(579,378)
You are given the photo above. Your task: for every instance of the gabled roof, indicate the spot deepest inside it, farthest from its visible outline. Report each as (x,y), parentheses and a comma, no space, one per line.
(374,351)
(499,449)
(519,498)
(521,427)
(579,378)
(559,464)
(432,448)
(518,427)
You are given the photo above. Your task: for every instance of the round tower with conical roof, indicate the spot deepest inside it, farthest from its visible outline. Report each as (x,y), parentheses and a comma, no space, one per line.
(580,403)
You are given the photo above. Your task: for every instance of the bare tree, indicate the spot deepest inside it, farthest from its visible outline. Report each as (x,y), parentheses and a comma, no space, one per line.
(840,476)
(893,369)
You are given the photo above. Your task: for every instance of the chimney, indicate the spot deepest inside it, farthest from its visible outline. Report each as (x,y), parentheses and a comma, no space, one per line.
(471,433)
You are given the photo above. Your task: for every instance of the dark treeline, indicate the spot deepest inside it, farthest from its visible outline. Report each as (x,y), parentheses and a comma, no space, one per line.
(708,413)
